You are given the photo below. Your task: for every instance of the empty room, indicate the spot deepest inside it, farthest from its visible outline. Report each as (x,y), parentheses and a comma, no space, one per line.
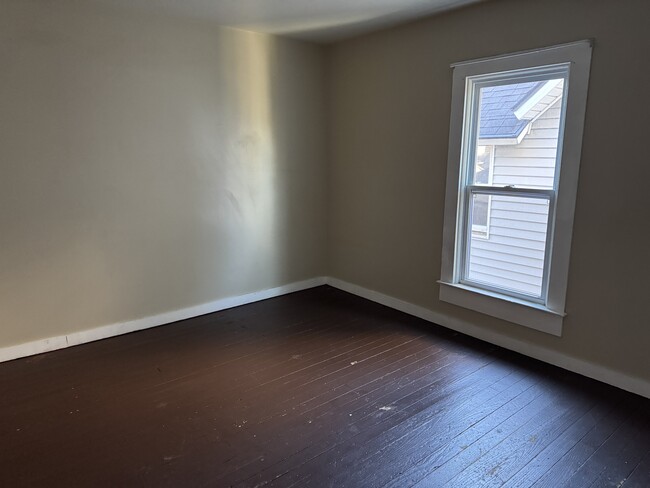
(324,243)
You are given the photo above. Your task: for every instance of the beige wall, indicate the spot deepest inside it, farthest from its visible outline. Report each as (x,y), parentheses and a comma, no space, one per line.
(390,95)
(148,165)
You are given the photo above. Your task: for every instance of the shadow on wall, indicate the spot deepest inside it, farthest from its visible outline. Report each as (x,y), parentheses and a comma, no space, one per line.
(149,165)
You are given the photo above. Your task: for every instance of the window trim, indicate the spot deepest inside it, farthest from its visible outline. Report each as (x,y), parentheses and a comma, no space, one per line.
(546,317)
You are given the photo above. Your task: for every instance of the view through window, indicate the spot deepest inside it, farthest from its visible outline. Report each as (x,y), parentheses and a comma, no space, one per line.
(515,148)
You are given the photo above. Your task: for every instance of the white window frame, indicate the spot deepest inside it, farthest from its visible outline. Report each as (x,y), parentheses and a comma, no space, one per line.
(547,313)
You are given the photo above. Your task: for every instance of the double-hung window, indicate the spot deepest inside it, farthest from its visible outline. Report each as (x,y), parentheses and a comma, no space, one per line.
(514,154)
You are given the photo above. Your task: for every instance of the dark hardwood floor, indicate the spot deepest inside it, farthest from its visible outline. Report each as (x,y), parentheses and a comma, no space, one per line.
(314,389)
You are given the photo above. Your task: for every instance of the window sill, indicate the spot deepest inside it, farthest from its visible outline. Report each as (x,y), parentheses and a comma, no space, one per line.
(532,315)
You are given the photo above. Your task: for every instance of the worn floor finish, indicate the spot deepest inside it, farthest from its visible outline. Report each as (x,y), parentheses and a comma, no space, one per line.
(314,389)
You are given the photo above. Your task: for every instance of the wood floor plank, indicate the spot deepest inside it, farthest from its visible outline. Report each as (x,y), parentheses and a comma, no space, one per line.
(526,410)
(429,459)
(404,446)
(625,447)
(313,389)
(411,408)
(561,472)
(497,466)
(555,451)
(355,417)
(640,475)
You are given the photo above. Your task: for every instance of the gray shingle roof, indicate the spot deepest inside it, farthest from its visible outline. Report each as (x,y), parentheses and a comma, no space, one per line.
(498,104)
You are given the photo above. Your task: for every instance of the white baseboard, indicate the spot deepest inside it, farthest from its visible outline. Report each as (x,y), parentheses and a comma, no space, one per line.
(585,368)
(90,335)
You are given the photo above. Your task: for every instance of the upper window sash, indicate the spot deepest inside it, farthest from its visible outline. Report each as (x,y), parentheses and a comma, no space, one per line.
(473,86)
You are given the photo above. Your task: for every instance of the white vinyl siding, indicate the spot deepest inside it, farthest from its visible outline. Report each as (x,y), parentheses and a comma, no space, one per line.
(517,227)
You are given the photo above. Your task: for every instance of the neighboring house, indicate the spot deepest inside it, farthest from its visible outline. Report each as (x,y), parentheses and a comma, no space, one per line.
(518,139)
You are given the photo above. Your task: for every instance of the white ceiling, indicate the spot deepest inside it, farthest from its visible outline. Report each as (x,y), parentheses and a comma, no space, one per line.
(315,20)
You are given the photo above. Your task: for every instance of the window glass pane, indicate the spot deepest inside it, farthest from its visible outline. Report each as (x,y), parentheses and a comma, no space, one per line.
(480,215)
(483,165)
(510,254)
(519,123)
(480,210)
